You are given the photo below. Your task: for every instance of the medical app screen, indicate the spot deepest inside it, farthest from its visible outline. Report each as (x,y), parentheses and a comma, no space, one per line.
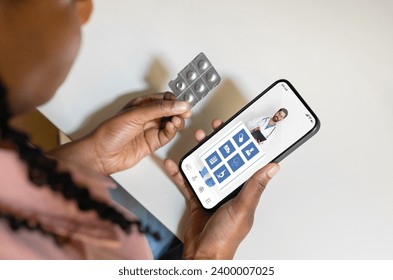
(265,129)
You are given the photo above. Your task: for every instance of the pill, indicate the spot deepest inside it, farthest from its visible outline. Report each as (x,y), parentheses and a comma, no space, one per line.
(211,76)
(199,87)
(191,75)
(180,86)
(195,81)
(189,97)
(203,64)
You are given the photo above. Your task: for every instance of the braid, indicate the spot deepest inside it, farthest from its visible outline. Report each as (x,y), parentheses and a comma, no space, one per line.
(16,223)
(4,113)
(42,171)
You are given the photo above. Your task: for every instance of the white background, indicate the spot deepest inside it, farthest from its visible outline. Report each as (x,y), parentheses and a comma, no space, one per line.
(162,270)
(333,196)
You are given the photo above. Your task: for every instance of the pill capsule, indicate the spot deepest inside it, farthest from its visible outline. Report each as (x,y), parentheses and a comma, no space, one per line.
(195,80)
(180,86)
(199,87)
(203,64)
(191,75)
(189,97)
(211,76)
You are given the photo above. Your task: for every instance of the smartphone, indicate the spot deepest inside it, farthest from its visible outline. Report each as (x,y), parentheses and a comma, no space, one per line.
(269,128)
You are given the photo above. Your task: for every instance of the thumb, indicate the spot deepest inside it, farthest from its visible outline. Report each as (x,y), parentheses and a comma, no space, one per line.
(159,109)
(249,196)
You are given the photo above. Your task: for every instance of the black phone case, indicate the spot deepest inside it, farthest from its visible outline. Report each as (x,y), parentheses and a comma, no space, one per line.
(277,159)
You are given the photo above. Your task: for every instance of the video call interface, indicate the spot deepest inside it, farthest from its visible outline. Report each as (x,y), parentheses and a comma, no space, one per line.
(255,137)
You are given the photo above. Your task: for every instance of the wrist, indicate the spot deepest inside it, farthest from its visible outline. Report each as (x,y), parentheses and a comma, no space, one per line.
(78,152)
(211,255)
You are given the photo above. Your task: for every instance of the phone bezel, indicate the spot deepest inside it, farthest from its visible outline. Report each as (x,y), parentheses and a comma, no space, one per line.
(277,159)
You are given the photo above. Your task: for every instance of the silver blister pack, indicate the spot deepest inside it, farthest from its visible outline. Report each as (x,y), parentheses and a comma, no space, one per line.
(195,81)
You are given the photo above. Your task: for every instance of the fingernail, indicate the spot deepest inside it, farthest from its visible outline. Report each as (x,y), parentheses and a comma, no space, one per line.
(273,171)
(181,106)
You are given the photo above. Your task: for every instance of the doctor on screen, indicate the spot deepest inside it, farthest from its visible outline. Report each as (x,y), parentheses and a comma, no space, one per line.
(262,128)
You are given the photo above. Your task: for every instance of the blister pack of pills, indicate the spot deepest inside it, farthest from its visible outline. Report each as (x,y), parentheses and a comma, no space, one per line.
(195,81)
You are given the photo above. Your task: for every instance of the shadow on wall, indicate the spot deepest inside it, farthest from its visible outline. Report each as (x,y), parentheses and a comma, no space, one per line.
(156,77)
(223,102)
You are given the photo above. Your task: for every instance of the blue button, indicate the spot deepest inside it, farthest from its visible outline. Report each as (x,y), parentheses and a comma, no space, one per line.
(227,149)
(213,160)
(222,173)
(241,138)
(236,162)
(250,151)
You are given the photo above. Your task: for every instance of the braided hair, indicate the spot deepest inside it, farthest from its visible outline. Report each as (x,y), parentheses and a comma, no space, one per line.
(42,172)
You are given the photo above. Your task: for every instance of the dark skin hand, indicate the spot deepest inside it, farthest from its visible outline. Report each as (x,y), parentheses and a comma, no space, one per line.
(217,235)
(144,125)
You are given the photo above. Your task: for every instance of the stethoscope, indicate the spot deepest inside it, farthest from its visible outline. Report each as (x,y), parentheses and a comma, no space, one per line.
(266,123)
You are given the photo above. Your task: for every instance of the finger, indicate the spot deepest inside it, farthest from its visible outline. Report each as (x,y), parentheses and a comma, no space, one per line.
(216,123)
(171,96)
(165,135)
(173,170)
(186,115)
(157,110)
(249,196)
(178,122)
(199,135)
(167,132)
(147,99)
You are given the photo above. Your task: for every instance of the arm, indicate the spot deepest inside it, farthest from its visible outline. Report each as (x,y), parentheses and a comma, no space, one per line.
(78,152)
(144,125)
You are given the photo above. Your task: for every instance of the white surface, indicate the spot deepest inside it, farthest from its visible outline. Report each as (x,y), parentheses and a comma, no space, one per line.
(333,196)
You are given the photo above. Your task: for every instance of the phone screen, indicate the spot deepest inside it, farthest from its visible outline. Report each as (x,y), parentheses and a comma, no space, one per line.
(266,129)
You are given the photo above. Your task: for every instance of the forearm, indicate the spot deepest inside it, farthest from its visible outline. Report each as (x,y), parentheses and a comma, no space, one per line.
(218,253)
(79,152)
(210,256)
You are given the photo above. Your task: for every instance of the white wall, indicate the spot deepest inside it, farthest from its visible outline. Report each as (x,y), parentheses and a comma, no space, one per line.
(333,196)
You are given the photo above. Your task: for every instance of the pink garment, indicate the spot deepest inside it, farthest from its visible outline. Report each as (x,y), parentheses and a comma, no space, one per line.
(91,237)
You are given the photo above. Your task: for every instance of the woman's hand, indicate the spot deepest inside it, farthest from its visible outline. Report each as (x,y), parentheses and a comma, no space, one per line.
(143,125)
(217,235)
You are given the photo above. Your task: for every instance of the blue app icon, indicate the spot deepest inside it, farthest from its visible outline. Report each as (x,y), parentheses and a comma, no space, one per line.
(213,160)
(250,151)
(236,162)
(222,173)
(227,149)
(241,138)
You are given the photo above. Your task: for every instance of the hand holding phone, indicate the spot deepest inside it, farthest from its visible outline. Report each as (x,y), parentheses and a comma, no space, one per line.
(267,129)
(217,235)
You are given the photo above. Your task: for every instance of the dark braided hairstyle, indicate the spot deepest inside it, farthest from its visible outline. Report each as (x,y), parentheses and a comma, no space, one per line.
(42,171)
